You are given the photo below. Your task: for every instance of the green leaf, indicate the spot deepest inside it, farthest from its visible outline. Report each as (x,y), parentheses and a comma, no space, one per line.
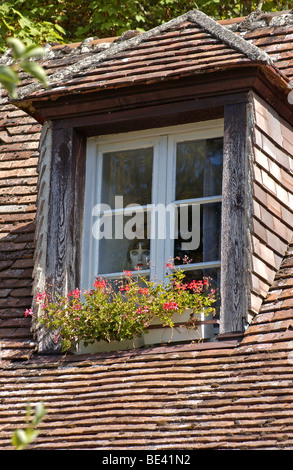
(59,28)
(40,412)
(17,46)
(35,70)
(33,51)
(9,79)
(25,22)
(7,74)
(16,12)
(31,434)
(11,88)
(20,439)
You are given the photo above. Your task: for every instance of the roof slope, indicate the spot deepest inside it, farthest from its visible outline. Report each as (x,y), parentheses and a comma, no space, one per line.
(180,397)
(273,34)
(19,140)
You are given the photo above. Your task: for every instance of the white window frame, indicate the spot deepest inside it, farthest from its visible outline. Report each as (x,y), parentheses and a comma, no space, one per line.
(164,141)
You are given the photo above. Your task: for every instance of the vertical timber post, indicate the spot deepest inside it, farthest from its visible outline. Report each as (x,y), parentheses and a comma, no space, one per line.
(64,227)
(233,252)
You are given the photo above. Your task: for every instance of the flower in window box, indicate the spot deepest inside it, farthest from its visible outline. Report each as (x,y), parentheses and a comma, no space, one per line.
(114,315)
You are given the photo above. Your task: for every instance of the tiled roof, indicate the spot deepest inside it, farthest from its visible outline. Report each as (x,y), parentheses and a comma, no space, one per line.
(191,44)
(19,136)
(177,397)
(274,36)
(222,396)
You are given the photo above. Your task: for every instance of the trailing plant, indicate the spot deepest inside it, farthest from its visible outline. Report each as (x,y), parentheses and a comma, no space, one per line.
(124,309)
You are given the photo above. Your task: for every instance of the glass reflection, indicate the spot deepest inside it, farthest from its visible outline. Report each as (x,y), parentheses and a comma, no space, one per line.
(199,168)
(209,248)
(127,173)
(117,255)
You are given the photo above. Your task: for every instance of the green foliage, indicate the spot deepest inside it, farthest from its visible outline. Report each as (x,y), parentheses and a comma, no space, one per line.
(31,22)
(125,309)
(21,56)
(23,437)
(39,21)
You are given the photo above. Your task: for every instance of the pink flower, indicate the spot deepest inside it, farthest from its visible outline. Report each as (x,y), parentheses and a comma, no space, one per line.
(141,310)
(170,306)
(126,288)
(75,293)
(28,312)
(100,284)
(144,290)
(56,338)
(127,273)
(169,265)
(196,285)
(41,296)
(180,286)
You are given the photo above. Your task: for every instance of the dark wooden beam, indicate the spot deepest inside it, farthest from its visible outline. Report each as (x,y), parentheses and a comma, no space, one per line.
(233,292)
(218,85)
(65,217)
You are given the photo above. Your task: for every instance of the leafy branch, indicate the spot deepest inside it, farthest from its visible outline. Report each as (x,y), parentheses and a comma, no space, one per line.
(22,55)
(23,437)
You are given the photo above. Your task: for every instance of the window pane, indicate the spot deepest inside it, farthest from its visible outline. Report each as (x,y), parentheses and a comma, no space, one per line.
(199,168)
(117,255)
(199,234)
(127,173)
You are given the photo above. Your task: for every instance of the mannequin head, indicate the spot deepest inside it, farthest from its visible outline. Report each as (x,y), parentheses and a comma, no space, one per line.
(139,257)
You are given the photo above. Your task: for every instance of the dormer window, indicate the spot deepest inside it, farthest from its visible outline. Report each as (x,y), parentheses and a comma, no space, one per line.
(133,149)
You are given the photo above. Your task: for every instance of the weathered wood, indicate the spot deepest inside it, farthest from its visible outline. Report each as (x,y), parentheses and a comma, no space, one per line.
(223,87)
(64,218)
(60,211)
(79,172)
(193,95)
(233,292)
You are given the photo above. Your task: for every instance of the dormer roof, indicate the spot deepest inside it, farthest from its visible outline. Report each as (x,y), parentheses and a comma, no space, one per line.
(191,44)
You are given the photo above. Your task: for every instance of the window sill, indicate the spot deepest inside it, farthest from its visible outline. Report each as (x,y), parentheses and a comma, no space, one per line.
(192,347)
